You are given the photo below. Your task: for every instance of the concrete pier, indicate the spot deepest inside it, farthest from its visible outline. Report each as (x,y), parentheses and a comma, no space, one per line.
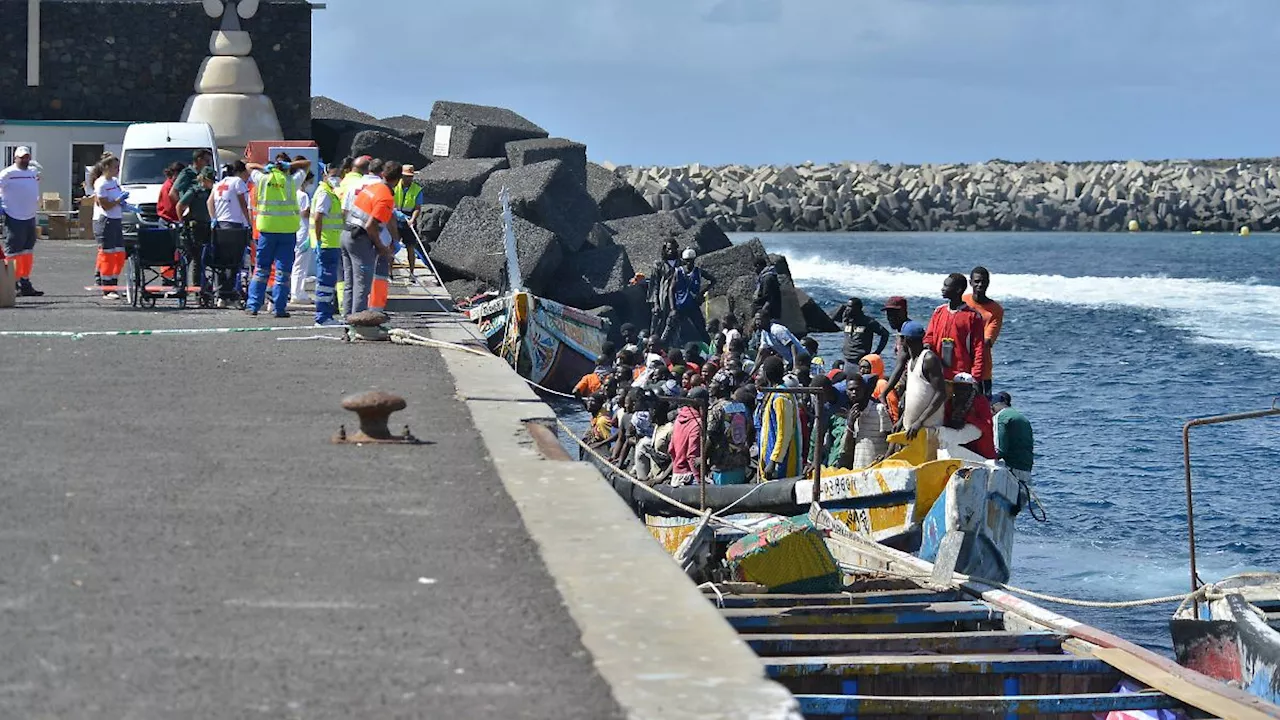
(182,540)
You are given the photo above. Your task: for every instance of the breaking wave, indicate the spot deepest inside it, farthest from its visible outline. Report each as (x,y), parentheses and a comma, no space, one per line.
(1224,313)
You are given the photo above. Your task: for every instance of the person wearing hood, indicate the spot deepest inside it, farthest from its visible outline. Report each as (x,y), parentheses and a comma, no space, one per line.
(967,432)
(686,442)
(768,290)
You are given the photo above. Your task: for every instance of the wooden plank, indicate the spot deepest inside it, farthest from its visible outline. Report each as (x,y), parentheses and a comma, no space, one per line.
(812,705)
(889,614)
(971,641)
(1183,688)
(869,598)
(933,665)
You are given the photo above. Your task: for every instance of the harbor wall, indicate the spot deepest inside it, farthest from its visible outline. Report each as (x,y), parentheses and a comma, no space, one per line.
(996,195)
(137,61)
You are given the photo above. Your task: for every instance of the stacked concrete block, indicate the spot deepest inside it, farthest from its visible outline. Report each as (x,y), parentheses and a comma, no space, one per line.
(448,181)
(594,278)
(477,131)
(471,247)
(549,195)
(998,195)
(643,236)
(529,152)
(387,146)
(615,197)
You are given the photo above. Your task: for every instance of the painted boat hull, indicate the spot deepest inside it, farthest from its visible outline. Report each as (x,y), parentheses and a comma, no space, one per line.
(1230,642)
(546,342)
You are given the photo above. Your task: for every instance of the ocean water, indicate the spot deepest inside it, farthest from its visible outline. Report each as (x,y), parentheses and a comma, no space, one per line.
(1111,342)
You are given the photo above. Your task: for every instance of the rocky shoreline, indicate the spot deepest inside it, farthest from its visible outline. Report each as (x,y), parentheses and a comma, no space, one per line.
(1210,196)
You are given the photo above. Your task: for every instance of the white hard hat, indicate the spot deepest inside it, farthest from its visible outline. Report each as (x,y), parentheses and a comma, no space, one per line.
(689,254)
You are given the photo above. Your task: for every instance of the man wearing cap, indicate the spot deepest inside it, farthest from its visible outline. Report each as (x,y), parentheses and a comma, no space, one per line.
(20,195)
(688,286)
(956,332)
(860,331)
(1015,442)
(926,392)
(966,431)
(408,195)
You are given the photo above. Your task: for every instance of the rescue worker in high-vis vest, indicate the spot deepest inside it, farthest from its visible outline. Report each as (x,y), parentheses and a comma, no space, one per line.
(353,173)
(326,239)
(366,240)
(409,203)
(275,200)
(390,236)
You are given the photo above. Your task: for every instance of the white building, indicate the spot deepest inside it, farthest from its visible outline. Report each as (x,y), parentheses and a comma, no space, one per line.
(63,148)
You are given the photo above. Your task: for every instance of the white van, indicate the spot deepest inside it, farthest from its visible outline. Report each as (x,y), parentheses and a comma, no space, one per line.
(151,147)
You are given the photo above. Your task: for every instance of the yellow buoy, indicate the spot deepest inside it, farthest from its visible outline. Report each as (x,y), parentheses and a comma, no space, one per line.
(1244,231)
(1133,226)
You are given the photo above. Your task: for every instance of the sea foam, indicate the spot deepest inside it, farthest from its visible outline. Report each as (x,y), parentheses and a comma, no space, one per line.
(1227,313)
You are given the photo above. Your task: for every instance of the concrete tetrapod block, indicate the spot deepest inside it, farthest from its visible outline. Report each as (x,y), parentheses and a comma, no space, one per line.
(593,278)
(477,130)
(735,273)
(643,236)
(431,222)
(236,119)
(816,319)
(386,146)
(235,43)
(229,75)
(548,195)
(447,181)
(529,152)
(705,237)
(615,197)
(471,247)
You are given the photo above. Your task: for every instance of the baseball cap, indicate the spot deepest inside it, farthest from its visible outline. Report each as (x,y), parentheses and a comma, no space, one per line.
(913,329)
(1002,397)
(408,169)
(897,302)
(22,151)
(689,254)
(965,378)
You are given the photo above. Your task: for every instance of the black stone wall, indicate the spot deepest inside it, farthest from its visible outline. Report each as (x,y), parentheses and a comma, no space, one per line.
(136,60)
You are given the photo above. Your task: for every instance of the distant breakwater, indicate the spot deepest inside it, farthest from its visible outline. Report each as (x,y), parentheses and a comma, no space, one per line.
(997,195)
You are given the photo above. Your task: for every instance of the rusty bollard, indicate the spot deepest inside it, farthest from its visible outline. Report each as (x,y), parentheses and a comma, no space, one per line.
(367,325)
(374,409)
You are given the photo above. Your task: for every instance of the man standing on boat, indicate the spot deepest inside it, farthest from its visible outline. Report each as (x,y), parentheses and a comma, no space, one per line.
(895,313)
(1015,442)
(860,331)
(956,332)
(926,392)
(781,435)
(992,313)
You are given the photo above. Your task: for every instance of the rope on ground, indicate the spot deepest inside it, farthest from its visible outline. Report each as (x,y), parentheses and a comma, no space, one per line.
(628,477)
(404,337)
(80,335)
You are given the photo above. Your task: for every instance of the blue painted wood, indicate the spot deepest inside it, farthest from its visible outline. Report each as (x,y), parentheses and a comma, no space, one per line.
(934,665)
(1012,688)
(849,687)
(812,705)
(969,641)
(891,614)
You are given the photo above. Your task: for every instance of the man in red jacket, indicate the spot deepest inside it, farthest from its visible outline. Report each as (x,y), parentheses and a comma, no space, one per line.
(955,332)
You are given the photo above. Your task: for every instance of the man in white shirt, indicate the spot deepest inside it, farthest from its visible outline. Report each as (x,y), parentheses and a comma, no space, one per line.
(775,336)
(20,194)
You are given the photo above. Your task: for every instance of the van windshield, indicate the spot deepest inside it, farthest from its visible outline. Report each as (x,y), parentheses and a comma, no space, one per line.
(145,166)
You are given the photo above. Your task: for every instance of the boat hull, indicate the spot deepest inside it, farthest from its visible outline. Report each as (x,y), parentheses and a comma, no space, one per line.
(1230,642)
(550,344)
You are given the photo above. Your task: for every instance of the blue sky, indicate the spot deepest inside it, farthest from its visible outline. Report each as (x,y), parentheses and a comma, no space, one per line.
(784,81)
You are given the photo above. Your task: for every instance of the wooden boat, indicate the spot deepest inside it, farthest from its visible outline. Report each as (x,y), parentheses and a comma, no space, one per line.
(1234,634)
(907,501)
(551,344)
(890,642)
(1229,630)
(546,342)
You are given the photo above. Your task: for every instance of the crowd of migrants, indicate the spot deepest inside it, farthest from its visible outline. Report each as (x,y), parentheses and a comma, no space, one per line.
(339,233)
(646,397)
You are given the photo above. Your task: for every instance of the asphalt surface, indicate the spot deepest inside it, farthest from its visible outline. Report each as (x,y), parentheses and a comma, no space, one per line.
(179,539)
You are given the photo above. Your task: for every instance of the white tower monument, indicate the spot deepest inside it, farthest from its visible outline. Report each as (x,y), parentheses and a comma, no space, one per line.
(229,87)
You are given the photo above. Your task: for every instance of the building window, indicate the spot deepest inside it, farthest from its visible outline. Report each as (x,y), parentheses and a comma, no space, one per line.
(83,157)
(9,148)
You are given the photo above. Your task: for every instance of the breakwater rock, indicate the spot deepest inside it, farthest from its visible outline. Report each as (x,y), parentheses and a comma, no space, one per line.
(583,232)
(996,195)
